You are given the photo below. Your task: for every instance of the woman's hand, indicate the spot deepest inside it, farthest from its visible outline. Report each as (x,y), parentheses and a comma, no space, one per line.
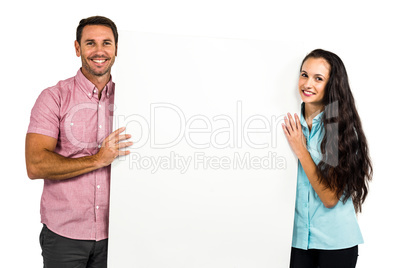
(294,134)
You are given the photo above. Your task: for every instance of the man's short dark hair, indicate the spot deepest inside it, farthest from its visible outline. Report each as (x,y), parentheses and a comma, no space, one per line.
(96,20)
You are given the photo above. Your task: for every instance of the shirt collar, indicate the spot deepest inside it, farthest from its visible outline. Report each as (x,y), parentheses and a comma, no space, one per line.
(316,119)
(89,89)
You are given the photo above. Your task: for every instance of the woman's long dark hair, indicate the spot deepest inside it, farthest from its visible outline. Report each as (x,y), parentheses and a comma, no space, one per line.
(346,166)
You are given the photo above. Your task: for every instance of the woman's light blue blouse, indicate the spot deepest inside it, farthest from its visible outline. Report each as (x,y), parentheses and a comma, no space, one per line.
(315,226)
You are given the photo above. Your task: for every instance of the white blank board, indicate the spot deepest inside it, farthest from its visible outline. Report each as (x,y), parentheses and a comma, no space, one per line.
(211,180)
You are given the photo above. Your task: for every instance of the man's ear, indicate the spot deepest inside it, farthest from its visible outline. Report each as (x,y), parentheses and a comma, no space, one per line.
(77,48)
(116,50)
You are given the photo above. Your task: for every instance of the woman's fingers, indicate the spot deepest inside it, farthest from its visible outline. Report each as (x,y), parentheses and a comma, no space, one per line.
(285,129)
(297,122)
(292,122)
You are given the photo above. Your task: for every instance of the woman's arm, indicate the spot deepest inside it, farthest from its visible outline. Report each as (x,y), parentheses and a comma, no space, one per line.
(297,141)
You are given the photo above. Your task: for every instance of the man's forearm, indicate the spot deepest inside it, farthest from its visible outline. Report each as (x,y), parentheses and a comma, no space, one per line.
(52,166)
(43,163)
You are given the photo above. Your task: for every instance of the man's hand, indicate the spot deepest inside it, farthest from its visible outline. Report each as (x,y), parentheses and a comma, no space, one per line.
(111,146)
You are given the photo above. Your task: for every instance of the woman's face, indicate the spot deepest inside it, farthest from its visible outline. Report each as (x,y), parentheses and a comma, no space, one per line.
(313,78)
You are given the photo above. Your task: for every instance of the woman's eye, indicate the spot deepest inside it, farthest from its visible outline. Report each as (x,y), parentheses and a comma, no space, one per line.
(304,75)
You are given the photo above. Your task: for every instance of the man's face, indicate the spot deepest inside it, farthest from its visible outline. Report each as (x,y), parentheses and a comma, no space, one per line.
(97,49)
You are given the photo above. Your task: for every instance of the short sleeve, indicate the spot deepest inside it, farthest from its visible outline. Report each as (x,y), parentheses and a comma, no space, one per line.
(45,114)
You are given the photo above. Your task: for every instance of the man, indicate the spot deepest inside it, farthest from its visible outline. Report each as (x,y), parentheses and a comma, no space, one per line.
(69,144)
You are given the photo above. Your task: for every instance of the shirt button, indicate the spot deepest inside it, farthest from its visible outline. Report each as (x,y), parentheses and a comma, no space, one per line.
(305,205)
(71,124)
(97,207)
(99,146)
(98,186)
(100,105)
(100,126)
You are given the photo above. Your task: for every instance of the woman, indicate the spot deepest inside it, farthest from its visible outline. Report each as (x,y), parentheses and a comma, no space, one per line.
(334,166)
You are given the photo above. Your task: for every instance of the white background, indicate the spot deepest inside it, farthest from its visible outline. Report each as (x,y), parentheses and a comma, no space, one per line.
(37,51)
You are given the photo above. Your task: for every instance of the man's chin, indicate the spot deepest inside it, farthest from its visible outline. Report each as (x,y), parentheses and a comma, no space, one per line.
(99,73)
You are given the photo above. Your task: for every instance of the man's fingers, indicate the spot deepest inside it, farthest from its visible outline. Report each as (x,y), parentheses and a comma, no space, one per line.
(115,133)
(124,144)
(124,152)
(122,137)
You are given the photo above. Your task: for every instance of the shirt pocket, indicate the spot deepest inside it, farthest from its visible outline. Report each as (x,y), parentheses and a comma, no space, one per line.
(75,133)
(79,138)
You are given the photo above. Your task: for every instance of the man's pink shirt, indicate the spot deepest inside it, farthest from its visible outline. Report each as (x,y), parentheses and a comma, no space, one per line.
(71,112)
